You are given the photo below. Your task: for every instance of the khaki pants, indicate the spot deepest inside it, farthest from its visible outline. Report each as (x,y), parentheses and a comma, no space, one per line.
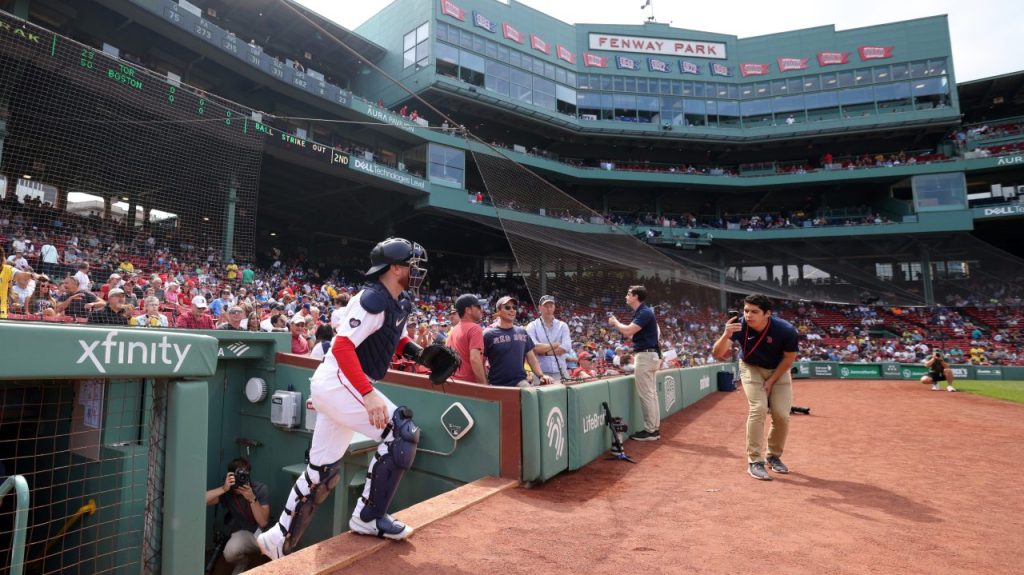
(645,368)
(241,549)
(758,401)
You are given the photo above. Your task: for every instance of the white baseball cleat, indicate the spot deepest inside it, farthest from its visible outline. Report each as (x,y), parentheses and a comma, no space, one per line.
(271,543)
(386,526)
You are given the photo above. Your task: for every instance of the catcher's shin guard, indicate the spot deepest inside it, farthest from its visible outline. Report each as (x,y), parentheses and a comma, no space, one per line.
(309,491)
(390,462)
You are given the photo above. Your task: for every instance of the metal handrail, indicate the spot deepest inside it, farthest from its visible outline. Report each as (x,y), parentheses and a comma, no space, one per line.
(20,486)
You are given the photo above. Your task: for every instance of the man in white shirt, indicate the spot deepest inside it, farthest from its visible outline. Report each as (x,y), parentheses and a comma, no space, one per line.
(267,325)
(48,258)
(551,339)
(82,275)
(19,262)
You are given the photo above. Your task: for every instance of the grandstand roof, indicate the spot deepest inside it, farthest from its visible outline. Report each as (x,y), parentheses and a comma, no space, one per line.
(273,24)
(1000,96)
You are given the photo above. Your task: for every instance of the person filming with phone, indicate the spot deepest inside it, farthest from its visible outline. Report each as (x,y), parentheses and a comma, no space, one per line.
(246,506)
(768,348)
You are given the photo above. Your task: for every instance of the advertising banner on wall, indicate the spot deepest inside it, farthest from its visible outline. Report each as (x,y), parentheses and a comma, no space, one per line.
(594,61)
(833,58)
(451,9)
(689,67)
(875,52)
(787,64)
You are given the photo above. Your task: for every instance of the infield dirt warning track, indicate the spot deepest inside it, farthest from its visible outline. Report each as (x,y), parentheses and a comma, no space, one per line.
(887,477)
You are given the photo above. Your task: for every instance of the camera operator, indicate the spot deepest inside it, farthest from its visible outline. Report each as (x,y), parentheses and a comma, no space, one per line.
(938,370)
(247,512)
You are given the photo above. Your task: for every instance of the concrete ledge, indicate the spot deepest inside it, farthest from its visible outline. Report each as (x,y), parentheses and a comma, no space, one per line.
(347,548)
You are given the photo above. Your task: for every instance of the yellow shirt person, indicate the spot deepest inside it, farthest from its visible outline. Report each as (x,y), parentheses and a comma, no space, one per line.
(6,275)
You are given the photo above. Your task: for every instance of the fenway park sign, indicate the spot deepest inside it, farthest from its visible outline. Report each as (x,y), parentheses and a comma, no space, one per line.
(667,46)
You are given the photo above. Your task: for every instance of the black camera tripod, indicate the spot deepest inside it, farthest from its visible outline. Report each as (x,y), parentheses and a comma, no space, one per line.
(618,427)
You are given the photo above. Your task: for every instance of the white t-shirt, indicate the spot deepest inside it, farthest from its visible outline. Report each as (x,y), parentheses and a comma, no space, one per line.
(83,281)
(48,254)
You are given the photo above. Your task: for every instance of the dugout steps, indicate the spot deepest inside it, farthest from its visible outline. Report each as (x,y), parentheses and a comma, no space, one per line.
(343,550)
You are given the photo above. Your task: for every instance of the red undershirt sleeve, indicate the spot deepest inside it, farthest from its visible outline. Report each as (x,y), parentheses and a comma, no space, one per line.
(401,344)
(345,354)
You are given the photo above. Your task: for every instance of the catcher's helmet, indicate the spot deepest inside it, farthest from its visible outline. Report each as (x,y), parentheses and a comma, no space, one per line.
(399,251)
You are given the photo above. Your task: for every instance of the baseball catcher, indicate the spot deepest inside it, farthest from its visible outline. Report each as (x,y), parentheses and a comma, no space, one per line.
(342,389)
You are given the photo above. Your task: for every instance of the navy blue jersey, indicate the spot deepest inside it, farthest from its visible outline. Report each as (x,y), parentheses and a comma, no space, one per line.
(505,350)
(765,349)
(375,349)
(647,337)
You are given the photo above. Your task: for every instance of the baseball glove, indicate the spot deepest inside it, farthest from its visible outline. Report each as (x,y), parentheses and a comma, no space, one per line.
(441,361)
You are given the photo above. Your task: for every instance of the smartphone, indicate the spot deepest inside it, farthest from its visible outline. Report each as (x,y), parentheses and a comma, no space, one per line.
(733,314)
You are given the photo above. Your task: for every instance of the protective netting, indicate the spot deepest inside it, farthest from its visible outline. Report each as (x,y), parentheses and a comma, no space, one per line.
(564,247)
(84,449)
(105,162)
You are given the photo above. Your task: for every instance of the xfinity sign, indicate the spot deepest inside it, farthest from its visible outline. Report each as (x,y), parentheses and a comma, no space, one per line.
(109,351)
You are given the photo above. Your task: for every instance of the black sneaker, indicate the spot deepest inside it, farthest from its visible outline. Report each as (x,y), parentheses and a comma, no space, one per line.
(644,435)
(757,471)
(777,465)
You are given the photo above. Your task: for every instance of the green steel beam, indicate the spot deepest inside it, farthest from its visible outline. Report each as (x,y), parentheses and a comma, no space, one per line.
(185,478)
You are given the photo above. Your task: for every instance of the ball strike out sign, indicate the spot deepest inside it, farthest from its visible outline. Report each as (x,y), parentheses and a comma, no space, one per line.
(666,46)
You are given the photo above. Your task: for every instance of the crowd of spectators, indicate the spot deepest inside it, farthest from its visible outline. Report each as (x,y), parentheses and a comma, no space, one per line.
(81,269)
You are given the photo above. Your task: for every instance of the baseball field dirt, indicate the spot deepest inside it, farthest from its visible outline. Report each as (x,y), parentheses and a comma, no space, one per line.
(887,477)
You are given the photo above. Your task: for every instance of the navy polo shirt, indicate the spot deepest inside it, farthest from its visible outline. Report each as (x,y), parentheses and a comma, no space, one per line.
(766,349)
(647,337)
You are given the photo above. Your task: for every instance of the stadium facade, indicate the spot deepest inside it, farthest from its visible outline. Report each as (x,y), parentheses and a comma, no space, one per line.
(814,163)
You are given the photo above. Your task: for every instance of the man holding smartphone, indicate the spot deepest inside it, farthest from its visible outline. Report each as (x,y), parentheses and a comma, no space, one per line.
(768,348)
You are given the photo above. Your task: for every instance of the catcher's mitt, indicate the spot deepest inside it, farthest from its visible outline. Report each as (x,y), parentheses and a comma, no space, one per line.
(441,361)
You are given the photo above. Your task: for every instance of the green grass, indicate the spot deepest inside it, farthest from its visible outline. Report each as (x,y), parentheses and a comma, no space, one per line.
(1008,390)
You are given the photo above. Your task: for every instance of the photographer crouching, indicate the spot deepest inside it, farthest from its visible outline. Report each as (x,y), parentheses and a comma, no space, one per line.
(938,370)
(246,512)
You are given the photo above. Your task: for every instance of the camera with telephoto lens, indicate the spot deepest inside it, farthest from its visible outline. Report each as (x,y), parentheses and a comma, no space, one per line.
(241,479)
(938,354)
(617,425)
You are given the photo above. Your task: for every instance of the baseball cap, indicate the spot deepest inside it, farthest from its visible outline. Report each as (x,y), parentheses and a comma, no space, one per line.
(298,318)
(465,301)
(507,299)
(199,301)
(115,291)
(546,299)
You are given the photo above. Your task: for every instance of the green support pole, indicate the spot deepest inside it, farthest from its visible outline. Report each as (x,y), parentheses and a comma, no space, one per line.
(723,302)
(229,223)
(543,272)
(926,278)
(184,511)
